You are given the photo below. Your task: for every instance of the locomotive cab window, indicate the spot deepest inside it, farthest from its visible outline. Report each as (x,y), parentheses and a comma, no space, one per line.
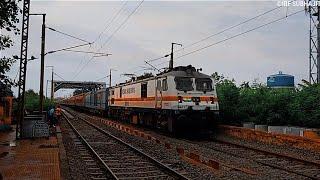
(164,85)
(204,84)
(183,83)
(144,90)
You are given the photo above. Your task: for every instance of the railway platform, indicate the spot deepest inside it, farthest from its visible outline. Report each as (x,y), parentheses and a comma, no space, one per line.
(29,158)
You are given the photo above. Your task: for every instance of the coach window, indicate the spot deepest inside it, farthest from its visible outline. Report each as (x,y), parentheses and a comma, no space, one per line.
(144,90)
(159,85)
(120,92)
(95,99)
(164,85)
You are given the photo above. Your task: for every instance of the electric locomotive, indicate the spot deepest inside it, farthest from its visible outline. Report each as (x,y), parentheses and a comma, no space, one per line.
(178,100)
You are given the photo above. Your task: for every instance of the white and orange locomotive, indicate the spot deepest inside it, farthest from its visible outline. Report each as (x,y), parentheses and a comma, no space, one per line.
(178,100)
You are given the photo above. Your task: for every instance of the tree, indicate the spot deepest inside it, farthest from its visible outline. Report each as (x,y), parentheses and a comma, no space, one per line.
(245,84)
(9,12)
(218,78)
(228,95)
(32,101)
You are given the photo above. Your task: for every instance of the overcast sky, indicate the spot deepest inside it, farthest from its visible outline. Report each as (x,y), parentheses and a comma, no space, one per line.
(148,33)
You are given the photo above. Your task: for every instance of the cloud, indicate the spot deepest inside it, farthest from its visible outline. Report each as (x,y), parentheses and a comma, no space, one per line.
(150,31)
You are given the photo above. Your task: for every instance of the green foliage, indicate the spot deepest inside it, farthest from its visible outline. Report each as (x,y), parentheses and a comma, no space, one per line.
(32,101)
(263,105)
(228,95)
(306,106)
(9,11)
(5,66)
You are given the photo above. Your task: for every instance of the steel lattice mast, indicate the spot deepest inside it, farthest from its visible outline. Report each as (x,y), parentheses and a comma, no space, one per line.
(23,67)
(314,51)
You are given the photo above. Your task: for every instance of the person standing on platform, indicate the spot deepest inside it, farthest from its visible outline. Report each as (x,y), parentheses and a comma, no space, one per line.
(51,116)
(58,114)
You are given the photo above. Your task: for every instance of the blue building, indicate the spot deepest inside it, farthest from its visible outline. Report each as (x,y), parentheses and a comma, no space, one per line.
(280,81)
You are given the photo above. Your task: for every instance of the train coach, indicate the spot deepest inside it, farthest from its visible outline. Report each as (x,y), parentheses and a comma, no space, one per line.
(180,100)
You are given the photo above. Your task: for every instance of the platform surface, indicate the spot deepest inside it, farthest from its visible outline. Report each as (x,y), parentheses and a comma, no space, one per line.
(29,159)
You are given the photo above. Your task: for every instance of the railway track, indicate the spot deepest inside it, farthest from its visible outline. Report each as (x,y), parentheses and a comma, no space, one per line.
(294,168)
(289,164)
(96,171)
(120,159)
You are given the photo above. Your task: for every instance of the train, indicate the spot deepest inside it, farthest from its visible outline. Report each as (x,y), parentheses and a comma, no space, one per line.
(178,100)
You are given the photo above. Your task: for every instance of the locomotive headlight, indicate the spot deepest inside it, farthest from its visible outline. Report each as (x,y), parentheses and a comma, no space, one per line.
(180,99)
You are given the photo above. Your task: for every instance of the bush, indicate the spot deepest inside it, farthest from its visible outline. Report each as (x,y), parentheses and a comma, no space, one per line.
(263,105)
(32,102)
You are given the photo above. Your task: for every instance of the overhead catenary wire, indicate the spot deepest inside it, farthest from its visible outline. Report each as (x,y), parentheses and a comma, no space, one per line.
(119,27)
(229,28)
(58,76)
(234,26)
(122,24)
(234,36)
(239,34)
(102,78)
(215,34)
(88,52)
(67,48)
(74,37)
(110,21)
(224,30)
(100,34)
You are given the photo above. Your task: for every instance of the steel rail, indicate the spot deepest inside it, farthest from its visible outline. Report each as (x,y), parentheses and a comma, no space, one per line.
(271,153)
(89,146)
(163,166)
(264,163)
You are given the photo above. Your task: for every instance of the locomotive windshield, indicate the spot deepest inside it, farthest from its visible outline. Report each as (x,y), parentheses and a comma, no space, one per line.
(204,84)
(183,83)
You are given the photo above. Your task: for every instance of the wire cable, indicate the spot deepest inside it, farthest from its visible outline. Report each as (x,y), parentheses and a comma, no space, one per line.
(110,37)
(225,30)
(111,20)
(64,49)
(218,33)
(88,52)
(229,28)
(123,23)
(100,35)
(68,35)
(58,76)
(245,32)
(102,78)
(234,36)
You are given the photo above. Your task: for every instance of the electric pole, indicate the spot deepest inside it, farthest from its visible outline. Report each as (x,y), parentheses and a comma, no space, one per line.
(43,35)
(47,89)
(171,55)
(52,84)
(314,43)
(110,76)
(52,90)
(23,67)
